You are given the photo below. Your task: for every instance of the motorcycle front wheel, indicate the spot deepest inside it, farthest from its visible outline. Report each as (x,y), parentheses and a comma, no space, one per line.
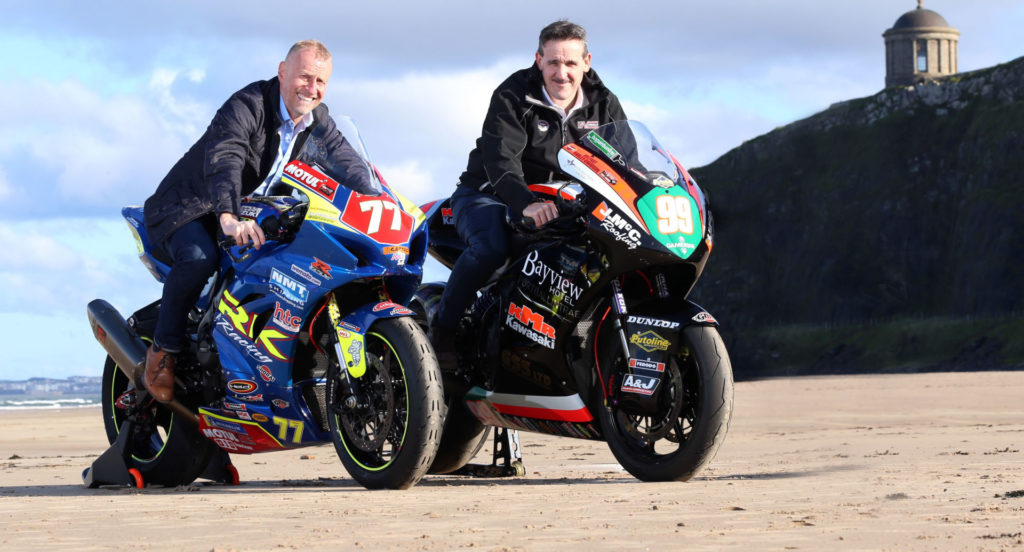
(386,431)
(693,413)
(166,451)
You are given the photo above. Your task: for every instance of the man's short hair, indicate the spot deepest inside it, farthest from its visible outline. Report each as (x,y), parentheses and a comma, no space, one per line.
(562,29)
(319,50)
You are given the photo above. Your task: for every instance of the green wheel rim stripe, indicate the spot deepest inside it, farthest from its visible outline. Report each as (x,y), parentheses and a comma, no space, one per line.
(405,426)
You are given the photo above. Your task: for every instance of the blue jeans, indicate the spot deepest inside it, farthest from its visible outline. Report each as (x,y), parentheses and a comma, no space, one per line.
(194,258)
(480,222)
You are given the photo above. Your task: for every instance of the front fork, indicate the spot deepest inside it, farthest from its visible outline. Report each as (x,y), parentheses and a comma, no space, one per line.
(619,323)
(350,366)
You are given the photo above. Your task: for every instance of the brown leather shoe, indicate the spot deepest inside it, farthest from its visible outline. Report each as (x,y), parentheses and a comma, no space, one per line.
(159,375)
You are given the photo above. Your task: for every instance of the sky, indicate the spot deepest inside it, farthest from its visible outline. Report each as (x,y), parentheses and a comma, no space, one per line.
(103,97)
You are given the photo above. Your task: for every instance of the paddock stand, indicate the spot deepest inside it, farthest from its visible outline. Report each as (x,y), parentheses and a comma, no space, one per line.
(507,449)
(112,467)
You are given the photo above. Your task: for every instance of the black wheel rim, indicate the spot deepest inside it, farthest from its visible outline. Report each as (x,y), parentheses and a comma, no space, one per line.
(666,432)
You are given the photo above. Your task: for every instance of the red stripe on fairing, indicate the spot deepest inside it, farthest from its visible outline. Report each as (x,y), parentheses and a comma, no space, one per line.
(581,415)
(690,188)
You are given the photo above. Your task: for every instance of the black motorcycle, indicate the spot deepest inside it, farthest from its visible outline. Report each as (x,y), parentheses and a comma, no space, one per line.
(588,332)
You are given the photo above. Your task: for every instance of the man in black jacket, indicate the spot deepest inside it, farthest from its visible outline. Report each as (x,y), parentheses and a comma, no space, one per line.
(532,115)
(251,138)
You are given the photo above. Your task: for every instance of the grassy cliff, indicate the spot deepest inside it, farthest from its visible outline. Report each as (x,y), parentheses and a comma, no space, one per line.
(885,233)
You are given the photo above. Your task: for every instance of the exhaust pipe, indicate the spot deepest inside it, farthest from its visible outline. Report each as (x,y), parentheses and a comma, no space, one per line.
(127,350)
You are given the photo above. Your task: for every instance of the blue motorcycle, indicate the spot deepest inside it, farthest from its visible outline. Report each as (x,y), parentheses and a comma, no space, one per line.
(302,342)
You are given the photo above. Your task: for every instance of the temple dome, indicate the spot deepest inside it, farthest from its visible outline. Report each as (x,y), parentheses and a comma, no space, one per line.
(920,18)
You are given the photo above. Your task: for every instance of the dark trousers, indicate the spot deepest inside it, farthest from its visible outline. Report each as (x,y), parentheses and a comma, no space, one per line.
(194,258)
(480,222)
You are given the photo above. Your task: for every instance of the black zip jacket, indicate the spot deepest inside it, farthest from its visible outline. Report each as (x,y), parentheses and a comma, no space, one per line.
(233,157)
(522,135)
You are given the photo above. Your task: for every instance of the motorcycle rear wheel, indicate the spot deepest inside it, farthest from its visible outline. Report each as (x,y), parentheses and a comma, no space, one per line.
(695,408)
(165,451)
(390,441)
(462,438)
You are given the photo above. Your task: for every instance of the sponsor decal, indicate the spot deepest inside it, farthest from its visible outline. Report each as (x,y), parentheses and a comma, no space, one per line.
(558,284)
(257,417)
(302,272)
(355,350)
(398,253)
(543,126)
(642,385)
(392,249)
(265,373)
(446,216)
(638,174)
(243,387)
(662,284)
(233,406)
(530,324)
(704,317)
(655,322)
(240,318)
(284,318)
(242,343)
(243,415)
(608,177)
(225,440)
(312,179)
(617,225)
(223,424)
(250,398)
(321,268)
(396,309)
(663,182)
(269,338)
(379,218)
(645,364)
(351,326)
(586,125)
(288,288)
(250,211)
(649,341)
(279,403)
(606,148)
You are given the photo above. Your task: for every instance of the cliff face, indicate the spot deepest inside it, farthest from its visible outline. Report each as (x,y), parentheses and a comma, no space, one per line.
(908,202)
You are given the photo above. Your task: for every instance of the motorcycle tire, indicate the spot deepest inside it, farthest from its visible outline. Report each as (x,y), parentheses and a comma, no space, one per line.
(390,441)
(164,451)
(679,441)
(462,438)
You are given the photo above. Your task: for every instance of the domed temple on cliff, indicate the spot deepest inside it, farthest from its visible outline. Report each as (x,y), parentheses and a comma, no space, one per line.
(920,46)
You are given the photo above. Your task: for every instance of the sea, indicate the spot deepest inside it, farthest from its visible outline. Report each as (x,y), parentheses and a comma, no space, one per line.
(27,402)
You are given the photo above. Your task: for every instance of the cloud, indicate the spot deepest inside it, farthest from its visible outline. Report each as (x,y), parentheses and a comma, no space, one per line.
(5,186)
(56,266)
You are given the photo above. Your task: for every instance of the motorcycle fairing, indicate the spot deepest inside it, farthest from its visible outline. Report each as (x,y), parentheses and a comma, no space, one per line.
(645,192)
(564,415)
(133,215)
(246,436)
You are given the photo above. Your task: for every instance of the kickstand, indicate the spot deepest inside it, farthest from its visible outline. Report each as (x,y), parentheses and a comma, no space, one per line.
(506,449)
(111,468)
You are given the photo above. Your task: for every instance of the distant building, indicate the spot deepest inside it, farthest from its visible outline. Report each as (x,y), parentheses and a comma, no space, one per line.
(918,47)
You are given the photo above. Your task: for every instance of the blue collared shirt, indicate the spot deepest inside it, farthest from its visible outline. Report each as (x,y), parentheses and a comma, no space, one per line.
(287,131)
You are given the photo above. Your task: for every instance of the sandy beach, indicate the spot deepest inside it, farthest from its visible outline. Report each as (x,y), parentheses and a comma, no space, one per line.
(887,462)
